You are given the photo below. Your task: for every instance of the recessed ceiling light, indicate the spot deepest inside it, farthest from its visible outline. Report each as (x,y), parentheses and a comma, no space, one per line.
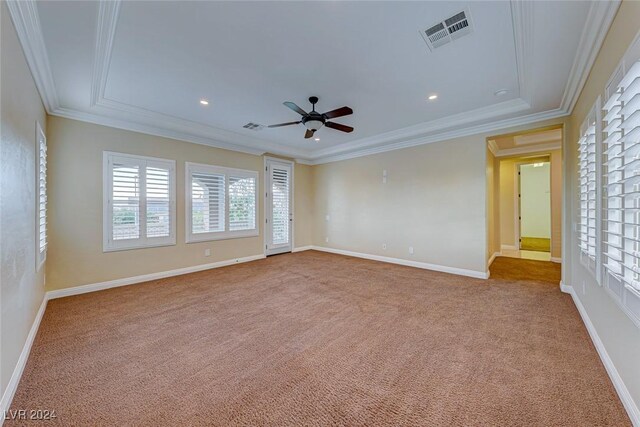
(204,102)
(317,139)
(432,97)
(501,92)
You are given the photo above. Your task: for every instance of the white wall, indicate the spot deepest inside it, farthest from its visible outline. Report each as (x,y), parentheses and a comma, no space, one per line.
(21,286)
(535,200)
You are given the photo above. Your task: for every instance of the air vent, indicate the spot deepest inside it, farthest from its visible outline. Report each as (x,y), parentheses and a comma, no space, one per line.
(253,126)
(448,30)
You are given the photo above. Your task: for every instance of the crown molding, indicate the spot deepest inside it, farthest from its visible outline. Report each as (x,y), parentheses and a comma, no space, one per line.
(599,20)
(116,114)
(443,136)
(522,18)
(493,147)
(517,151)
(26,21)
(108,12)
(424,129)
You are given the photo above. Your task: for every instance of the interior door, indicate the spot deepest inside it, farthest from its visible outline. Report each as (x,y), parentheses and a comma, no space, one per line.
(279,213)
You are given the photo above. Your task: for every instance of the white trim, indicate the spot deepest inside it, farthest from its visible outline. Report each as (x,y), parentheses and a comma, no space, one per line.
(493,147)
(302,248)
(267,204)
(226,234)
(123,116)
(93,287)
(108,12)
(451,133)
(599,19)
(522,14)
(509,248)
(24,15)
(541,148)
(41,255)
(110,245)
(417,264)
(556,260)
(623,393)
(12,386)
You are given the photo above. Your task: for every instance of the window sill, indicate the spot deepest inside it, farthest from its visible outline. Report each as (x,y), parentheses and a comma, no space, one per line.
(227,235)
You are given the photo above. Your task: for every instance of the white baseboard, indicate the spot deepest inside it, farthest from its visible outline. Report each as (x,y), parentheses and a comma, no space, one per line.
(558,260)
(509,248)
(302,248)
(93,287)
(623,393)
(12,386)
(409,263)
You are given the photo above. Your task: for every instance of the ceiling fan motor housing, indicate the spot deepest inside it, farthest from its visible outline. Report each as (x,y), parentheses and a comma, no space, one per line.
(313,121)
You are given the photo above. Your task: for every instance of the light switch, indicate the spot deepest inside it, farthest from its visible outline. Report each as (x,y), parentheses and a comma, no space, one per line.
(207,252)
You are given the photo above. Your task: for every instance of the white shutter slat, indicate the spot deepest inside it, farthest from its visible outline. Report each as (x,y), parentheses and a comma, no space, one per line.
(125,201)
(158,189)
(208,202)
(621,161)
(280,195)
(242,203)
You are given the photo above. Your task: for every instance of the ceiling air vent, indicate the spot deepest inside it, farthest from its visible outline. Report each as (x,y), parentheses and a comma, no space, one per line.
(253,126)
(448,30)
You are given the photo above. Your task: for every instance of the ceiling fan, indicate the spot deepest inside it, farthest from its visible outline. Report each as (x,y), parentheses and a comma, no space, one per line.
(314,120)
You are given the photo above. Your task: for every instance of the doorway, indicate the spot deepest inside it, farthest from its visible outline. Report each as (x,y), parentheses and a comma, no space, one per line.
(534,206)
(278,206)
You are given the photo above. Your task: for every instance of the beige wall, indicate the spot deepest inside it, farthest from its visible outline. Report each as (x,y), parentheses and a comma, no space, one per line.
(619,335)
(21,287)
(434,200)
(508,199)
(75,171)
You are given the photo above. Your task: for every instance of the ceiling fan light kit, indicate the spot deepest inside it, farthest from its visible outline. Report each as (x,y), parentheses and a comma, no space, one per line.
(313,121)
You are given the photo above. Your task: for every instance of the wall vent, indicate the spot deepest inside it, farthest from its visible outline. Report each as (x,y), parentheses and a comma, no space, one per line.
(448,30)
(253,126)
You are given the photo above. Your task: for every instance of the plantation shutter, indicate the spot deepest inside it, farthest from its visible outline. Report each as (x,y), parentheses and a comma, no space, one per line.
(622,162)
(126,195)
(208,202)
(221,203)
(158,188)
(281,206)
(242,203)
(587,186)
(140,202)
(42,196)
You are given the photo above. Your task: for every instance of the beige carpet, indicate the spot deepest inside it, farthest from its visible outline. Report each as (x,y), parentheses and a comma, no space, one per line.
(319,339)
(535,244)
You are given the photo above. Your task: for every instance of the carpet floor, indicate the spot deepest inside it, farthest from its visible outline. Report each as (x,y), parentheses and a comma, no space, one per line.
(535,244)
(313,338)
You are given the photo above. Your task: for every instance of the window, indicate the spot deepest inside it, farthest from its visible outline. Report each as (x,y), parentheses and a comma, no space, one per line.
(621,162)
(221,203)
(139,202)
(587,189)
(41,185)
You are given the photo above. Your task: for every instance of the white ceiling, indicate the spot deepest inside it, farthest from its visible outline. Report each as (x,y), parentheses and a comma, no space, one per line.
(145,65)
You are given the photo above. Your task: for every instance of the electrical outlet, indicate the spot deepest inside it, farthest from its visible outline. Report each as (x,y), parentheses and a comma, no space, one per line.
(207,252)
(410,250)
(328,217)
(326,239)
(384,176)
(384,246)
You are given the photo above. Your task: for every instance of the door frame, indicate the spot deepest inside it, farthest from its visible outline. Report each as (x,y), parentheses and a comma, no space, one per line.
(518,202)
(266,181)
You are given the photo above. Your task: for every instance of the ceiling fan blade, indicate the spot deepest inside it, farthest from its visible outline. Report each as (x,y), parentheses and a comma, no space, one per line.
(295,108)
(338,112)
(338,126)
(284,124)
(308,134)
